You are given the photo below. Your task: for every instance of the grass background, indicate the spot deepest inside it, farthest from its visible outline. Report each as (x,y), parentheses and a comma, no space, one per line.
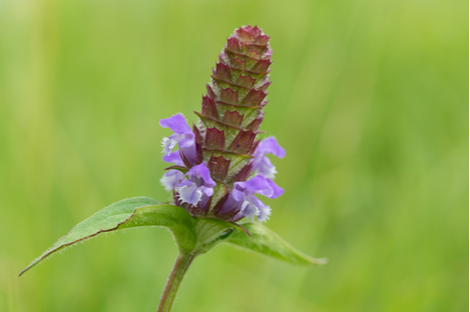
(369,99)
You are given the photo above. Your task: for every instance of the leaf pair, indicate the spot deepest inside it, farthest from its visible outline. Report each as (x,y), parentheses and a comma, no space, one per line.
(192,235)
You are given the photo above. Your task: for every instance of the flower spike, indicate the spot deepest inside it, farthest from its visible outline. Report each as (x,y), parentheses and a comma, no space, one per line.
(226,141)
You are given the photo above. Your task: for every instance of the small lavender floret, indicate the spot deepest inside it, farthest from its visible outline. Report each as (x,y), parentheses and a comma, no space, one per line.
(171,179)
(173,157)
(243,201)
(261,185)
(198,187)
(183,136)
(261,164)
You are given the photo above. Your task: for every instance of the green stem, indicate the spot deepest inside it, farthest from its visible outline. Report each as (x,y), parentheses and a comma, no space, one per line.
(174,280)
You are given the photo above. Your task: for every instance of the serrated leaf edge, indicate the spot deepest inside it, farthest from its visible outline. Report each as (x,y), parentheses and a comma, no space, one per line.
(52,250)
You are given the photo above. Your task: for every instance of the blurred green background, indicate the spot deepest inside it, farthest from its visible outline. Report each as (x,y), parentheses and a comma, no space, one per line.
(369,98)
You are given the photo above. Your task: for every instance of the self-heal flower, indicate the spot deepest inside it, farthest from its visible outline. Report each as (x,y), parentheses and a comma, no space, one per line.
(261,164)
(242,202)
(224,146)
(173,157)
(171,179)
(198,187)
(183,136)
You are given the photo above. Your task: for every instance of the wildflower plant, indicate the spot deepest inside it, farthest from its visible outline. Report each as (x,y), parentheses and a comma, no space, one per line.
(217,168)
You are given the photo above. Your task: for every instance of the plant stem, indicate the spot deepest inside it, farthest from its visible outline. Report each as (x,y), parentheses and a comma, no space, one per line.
(180,267)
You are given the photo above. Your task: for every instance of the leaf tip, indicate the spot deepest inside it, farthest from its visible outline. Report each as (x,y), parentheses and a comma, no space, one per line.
(24,270)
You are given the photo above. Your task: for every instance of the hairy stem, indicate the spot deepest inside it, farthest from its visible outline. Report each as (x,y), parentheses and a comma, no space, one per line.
(174,280)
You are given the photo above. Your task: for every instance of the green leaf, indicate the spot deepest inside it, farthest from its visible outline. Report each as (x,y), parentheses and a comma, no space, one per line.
(130,213)
(211,231)
(265,241)
(181,169)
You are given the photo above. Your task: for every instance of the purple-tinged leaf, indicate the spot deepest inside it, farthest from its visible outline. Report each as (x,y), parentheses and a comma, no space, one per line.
(229,96)
(233,118)
(253,98)
(233,44)
(261,66)
(215,139)
(218,167)
(253,55)
(261,49)
(254,146)
(238,63)
(210,92)
(264,86)
(261,40)
(208,107)
(245,34)
(243,141)
(254,125)
(243,174)
(246,81)
(222,72)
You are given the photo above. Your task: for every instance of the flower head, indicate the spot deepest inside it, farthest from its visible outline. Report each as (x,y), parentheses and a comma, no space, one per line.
(183,136)
(171,179)
(223,152)
(173,157)
(261,163)
(197,188)
(242,202)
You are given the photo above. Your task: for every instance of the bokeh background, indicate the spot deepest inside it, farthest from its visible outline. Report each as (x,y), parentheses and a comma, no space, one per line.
(369,98)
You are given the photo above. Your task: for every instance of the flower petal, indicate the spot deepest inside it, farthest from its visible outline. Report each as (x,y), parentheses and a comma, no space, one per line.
(265,167)
(249,210)
(171,179)
(257,184)
(277,191)
(270,146)
(168,145)
(201,176)
(173,158)
(261,164)
(261,185)
(209,191)
(177,124)
(189,193)
(264,213)
(237,195)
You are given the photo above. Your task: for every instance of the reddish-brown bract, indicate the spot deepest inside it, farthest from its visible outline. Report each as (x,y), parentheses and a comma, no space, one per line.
(232,110)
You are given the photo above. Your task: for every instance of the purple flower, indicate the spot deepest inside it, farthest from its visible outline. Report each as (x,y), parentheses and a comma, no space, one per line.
(261,164)
(243,201)
(173,157)
(171,179)
(224,145)
(183,136)
(198,188)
